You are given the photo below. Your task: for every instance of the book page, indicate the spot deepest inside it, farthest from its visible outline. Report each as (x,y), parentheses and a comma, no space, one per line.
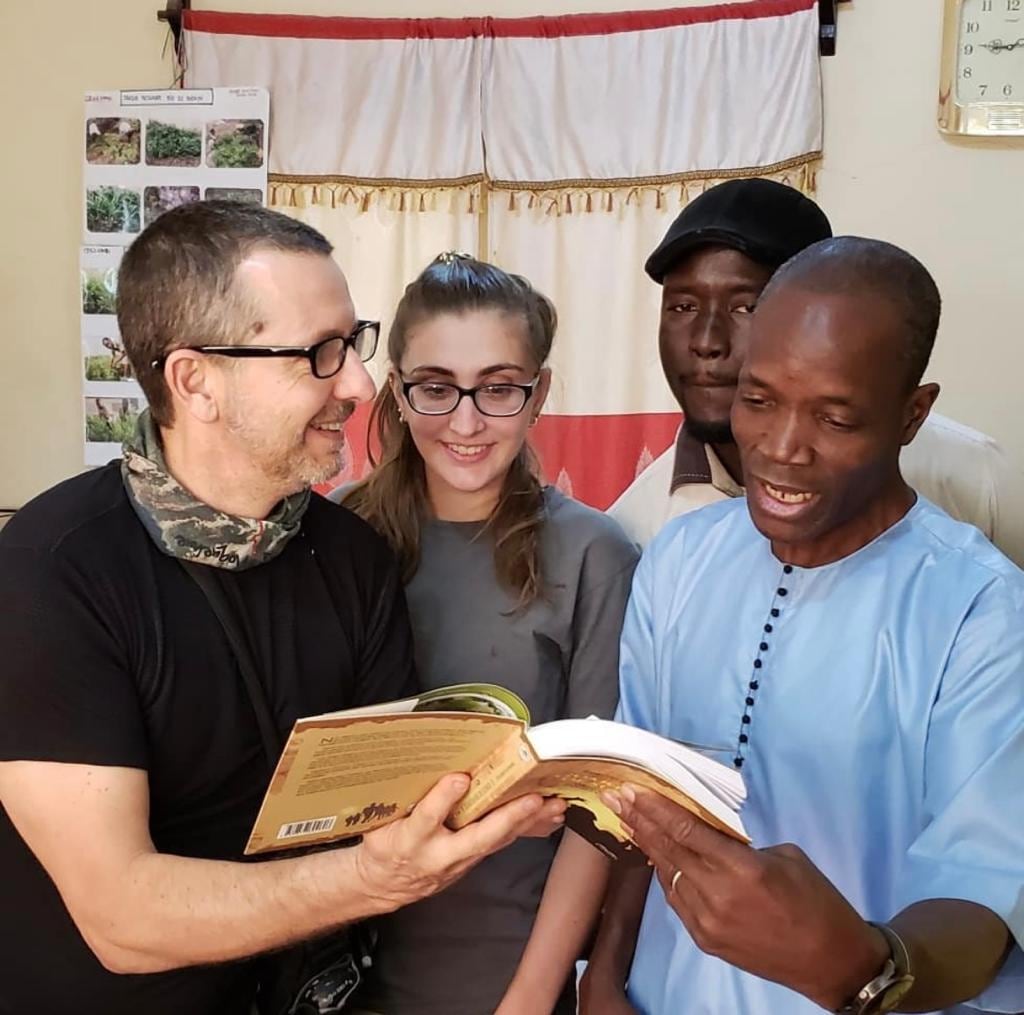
(485,699)
(716,787)
(343,777)
(580,782)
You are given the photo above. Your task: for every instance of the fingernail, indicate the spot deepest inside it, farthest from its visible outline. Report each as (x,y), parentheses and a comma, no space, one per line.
(612,801)
(559,819)
(461,781)
(628,793)
(629,831)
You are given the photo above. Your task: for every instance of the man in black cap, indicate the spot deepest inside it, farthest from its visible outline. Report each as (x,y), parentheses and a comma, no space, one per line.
(712,265)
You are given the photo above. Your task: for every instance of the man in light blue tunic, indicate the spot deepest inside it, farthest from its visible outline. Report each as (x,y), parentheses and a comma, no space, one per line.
(859,656)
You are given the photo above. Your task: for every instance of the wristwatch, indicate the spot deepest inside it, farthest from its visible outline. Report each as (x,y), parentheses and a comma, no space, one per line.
(890,986)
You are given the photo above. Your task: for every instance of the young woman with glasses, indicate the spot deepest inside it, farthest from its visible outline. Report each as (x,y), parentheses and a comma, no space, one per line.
(508,581)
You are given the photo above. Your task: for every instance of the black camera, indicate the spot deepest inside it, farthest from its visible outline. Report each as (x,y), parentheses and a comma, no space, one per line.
(327,992)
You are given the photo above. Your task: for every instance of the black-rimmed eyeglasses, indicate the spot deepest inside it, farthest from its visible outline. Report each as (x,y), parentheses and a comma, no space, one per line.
(326,357)
(439,398)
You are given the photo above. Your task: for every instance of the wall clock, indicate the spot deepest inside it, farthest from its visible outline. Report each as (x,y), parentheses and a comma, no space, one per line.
(981,92)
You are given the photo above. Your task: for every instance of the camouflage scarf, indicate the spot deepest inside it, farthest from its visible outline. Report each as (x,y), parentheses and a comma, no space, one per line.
(191,530)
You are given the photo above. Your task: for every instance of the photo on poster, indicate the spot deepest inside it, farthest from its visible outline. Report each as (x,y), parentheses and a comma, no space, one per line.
(247,195)
(174,144)
(234,144)
(112,140)
(149,151)
(103,352)
(99,290)
(112,210)
(111,420)
(157,200)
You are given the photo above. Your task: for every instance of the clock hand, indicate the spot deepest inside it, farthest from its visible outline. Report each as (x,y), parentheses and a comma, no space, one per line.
(998,46)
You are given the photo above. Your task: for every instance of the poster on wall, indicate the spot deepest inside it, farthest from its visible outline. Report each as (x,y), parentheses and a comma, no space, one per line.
(146,152)
(113,398)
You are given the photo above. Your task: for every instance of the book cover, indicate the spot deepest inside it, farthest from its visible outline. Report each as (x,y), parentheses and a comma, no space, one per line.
(346,773)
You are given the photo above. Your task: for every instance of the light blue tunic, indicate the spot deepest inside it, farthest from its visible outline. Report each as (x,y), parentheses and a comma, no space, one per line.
(885,734)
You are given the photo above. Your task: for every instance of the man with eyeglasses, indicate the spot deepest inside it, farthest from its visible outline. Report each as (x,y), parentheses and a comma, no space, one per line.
(137,601)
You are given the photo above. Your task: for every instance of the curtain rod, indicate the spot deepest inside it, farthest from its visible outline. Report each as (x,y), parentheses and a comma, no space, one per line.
(827,26)
(171,15)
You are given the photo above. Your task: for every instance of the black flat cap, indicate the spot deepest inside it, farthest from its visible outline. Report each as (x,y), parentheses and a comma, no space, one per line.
(767,221)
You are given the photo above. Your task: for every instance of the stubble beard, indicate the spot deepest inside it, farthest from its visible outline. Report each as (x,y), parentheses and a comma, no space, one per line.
(287,466)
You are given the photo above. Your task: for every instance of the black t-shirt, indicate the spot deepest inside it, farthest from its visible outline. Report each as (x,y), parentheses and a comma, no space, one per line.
(111,655)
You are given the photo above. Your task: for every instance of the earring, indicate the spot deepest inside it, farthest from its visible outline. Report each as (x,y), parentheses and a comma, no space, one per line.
(401,416)
(533,422)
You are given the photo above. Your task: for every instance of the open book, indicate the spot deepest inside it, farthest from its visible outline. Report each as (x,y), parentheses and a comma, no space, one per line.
(345,773)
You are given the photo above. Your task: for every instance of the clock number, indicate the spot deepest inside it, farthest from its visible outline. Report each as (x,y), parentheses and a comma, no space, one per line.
(968,72)
(1008,90)
(968,50)
(986,5)
(972,27)
(983,89)
(1013,5)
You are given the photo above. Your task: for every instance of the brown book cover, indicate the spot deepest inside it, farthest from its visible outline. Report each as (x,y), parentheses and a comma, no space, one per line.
(346,773)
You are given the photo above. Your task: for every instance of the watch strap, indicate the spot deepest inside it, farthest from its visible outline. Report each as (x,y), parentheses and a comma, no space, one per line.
(900,955)
(884,992)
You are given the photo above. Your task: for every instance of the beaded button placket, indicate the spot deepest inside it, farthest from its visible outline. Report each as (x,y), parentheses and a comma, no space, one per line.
(777,605)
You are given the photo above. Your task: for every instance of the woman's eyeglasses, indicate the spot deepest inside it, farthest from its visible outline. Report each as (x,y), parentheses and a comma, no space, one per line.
(326,357)
(439,398)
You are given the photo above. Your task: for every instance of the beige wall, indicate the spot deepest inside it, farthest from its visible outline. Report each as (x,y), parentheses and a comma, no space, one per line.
(958,206)
(51,53)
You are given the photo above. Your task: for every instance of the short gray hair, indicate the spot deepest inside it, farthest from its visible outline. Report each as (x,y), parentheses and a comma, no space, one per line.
(176,285)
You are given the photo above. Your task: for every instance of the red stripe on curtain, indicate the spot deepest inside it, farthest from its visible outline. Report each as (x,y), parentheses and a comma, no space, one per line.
(638,21)
(299,26)
(592,458)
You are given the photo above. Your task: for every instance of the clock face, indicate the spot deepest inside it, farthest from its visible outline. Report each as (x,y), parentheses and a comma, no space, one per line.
(990,50)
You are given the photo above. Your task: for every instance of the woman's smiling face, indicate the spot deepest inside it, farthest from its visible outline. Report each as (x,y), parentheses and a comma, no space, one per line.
(467,454)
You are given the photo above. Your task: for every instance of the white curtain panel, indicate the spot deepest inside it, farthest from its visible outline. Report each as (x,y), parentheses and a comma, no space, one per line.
(611,97)
(605,357)
(652,94)
(369,99)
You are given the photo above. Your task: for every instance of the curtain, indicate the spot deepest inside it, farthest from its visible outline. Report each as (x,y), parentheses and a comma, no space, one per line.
(558,147)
